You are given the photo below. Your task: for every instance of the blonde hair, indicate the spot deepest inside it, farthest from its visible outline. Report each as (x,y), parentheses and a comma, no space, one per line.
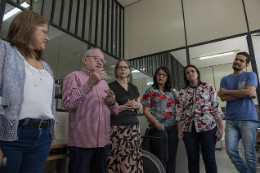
(21,31)
(117,65)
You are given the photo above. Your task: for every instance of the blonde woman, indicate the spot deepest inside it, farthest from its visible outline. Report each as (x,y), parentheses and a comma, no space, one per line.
(125,137)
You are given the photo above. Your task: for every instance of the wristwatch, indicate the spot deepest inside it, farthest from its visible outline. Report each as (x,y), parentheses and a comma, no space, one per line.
(155,122)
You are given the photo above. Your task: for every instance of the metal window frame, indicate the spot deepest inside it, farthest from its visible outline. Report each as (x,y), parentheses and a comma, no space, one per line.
(91,42)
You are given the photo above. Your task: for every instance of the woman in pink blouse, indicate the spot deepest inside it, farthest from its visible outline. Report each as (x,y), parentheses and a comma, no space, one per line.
(198,114)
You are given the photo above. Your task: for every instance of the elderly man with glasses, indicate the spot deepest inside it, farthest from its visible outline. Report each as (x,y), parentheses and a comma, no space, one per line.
(90,103)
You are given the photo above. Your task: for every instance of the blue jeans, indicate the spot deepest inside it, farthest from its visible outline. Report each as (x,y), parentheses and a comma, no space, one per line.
(29,153)
(158,146)
(82,159)
(206,141)
(247,131)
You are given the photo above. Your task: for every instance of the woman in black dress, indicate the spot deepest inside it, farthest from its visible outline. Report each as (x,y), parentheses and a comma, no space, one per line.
(125,137)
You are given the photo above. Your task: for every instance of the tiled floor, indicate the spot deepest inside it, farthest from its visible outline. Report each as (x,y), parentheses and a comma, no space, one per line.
(224,163)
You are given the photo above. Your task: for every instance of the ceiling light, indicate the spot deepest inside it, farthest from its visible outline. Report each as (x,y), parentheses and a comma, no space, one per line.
(113,66)
(135,71)
(14,11)
(217,55)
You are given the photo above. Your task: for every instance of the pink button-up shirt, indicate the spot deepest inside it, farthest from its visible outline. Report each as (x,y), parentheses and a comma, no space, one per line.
(89,115)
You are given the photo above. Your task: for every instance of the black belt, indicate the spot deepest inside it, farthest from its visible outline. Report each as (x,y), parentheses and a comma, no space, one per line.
(43,124)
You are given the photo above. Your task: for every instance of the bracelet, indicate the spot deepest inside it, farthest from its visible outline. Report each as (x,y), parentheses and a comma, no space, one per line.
(155,122)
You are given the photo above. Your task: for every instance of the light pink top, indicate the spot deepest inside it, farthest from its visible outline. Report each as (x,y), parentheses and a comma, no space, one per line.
(89,115)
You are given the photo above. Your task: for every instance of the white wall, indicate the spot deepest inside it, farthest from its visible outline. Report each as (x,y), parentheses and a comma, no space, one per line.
(63,125)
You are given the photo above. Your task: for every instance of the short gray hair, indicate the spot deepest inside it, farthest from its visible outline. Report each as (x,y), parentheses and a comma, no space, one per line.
(88,52)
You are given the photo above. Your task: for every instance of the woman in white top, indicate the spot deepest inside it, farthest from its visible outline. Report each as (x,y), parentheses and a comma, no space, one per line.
(27,124)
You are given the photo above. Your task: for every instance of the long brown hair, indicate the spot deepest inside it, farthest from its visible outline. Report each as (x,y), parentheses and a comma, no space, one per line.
(21,31)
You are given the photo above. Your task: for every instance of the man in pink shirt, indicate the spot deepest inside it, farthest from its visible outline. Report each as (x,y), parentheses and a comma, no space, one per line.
(90,102)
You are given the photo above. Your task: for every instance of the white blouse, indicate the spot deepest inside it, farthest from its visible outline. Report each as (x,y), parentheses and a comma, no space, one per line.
(38,90)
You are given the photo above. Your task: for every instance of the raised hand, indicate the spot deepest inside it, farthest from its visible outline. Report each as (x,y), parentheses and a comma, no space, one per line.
(95,77)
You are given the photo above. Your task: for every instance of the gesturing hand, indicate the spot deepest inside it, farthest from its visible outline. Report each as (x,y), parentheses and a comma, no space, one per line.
(110,98)
(96,77)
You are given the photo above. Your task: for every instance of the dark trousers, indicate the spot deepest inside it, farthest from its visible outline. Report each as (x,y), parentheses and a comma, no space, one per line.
(83,158)
(158,146)
(207,142)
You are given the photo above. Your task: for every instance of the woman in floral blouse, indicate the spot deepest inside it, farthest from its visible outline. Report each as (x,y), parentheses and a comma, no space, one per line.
(159,102)
(198,113)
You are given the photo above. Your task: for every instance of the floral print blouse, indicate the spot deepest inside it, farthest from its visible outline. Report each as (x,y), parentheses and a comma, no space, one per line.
(162,105)
(199,105)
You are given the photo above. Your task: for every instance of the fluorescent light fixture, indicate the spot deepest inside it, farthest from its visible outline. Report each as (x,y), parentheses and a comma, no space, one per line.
(135,71)
(149,83)
(113,66)
(217,55)
(14,11)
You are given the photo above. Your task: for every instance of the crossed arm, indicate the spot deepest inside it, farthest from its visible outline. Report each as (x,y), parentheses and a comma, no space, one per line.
(231,95)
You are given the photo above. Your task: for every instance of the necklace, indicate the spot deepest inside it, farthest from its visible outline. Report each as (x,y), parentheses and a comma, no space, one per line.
(33,74)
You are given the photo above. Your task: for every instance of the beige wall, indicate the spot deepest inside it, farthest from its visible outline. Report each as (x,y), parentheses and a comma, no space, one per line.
(153,26)
(63,125)
(211,19)
(253,13)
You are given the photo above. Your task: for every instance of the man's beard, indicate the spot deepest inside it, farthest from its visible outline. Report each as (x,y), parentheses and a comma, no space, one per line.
(235,68)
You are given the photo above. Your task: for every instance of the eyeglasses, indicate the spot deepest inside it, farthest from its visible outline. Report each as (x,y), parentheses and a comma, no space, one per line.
(164,75)
(122,67)
(97,59)
(43,30)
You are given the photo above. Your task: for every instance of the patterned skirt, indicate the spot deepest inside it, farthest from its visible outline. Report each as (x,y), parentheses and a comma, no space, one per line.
(125,151)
